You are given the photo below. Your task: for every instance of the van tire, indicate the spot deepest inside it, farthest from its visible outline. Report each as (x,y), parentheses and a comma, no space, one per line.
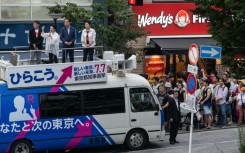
(21,144)
(136,140)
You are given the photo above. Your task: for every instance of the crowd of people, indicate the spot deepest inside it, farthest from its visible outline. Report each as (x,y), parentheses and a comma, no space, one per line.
(52,39)
(220,100)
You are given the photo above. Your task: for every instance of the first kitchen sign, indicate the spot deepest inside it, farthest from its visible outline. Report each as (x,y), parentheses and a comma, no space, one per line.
(170,19)
(55,74)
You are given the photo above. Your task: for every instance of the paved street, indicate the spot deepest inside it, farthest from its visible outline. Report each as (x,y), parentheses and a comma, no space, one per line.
(215,141)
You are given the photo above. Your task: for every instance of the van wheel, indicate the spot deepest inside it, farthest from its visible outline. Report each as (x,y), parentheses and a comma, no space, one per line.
(136,140)
(21,146)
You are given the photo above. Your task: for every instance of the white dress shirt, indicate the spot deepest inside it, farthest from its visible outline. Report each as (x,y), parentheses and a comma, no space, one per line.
(91,36)
(221,93)
(52,42)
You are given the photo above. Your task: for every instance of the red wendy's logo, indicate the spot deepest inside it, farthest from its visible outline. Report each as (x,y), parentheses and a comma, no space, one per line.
(182,19)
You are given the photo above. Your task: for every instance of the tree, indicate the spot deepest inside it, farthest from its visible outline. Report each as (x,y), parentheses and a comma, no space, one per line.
(113,21)
(71,11)
(227,26)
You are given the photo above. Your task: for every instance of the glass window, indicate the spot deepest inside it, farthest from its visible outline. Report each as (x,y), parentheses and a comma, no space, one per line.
(15,1)
(103,101)
(142,100)
(16,12)
(46,1)
(63,104)
(40,12)
(78,2)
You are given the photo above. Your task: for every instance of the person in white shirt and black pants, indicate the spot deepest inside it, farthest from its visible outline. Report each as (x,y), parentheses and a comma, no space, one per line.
(88,40)
(52,44)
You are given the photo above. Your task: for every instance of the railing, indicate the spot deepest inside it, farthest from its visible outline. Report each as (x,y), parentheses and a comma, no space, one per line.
(25,54)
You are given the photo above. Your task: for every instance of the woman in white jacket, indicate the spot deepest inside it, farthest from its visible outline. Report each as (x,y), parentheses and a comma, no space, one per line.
(52,44)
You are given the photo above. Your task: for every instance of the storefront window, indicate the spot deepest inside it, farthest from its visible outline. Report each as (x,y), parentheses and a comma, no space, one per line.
(47,1)
(39,12)
(16,12)
(78,1)
(14,1)
(12,10)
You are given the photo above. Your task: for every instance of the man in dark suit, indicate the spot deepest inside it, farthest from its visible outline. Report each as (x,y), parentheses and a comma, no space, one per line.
(174,117)
(68,37)
(36,43)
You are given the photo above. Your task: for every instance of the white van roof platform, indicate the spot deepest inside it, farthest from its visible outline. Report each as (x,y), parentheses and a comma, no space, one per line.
(26,76)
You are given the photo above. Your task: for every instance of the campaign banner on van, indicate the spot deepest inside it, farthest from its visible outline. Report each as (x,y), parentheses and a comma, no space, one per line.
(56,74)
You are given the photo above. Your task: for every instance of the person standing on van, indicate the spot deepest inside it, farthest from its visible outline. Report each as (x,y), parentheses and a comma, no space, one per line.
(52,44)
(36,43)
(174,117)
(88,41)
(68,37)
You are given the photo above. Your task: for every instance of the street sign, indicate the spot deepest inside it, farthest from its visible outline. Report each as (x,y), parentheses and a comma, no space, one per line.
(190,102)
(193,54)
(192,69)
(191,83)
(212,52)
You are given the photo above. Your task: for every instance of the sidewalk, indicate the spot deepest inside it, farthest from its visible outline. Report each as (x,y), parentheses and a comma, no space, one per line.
(183,130)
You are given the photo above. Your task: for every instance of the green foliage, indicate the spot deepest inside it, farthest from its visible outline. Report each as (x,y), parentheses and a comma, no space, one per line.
(227,26)
(121,27)
(241,139)
(73,12)
(115,35)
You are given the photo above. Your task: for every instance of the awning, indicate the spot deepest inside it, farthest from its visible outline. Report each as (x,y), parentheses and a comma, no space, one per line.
(182,43)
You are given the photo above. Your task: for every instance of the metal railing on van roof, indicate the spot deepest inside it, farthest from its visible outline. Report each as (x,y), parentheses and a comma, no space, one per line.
(25,54)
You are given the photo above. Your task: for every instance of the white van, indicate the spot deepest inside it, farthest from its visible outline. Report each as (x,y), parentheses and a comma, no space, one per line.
(36,117)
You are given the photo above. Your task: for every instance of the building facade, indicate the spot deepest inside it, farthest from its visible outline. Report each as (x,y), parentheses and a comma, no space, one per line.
(172,29)
(16,17)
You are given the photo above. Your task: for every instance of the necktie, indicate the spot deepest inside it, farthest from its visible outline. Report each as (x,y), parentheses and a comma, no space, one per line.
(36,34)
(87,38)
(68,31)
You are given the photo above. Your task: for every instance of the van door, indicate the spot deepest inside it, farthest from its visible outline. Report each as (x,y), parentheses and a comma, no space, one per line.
(144,110)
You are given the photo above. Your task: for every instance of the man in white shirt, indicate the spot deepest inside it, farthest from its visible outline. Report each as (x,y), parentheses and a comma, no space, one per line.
(220,98)
(88,41)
